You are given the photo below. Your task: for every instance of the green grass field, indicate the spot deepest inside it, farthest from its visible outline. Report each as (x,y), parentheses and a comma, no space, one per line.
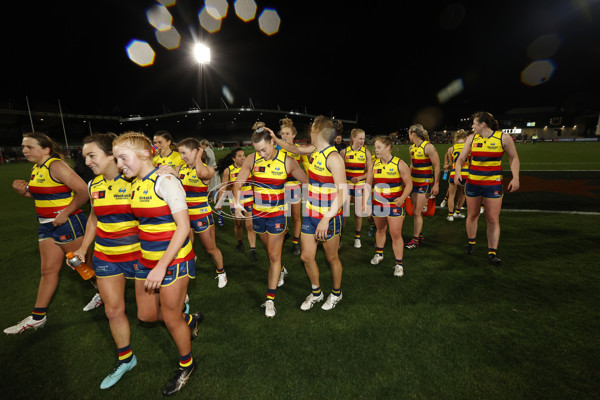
(452,328)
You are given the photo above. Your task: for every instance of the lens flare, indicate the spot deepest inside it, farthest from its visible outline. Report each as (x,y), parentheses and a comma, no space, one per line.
(538,72)
(140,52)
(208,22)
(245,9)
(269,21)
(159,17)
(168,39)
(217,8)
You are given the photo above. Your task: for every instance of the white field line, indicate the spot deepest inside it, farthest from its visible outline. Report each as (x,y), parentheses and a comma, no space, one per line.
(546,211)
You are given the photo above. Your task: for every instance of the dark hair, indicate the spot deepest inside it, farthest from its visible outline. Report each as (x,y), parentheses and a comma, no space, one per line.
(45,141)
(483,116)
(103,140)
(226,161)
(191,143)
(260,133)
(165,135)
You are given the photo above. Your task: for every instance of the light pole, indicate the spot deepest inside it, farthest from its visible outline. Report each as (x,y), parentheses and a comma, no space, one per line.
(202,55)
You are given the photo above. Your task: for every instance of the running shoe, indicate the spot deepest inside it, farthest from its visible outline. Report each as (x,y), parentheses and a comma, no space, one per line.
(376,259)
(470,249)
(331,302)
(178,381)
(398,270)
(296,249)
(27,323)
(239,248)
(196,319)
(459,215)
(450,218)
(253,256)
(118,373)
(310,301)
(270,310)
(443,203)
(282,276)
(412,244)
(494,260)
(222,280)
(357,243)
(95,302)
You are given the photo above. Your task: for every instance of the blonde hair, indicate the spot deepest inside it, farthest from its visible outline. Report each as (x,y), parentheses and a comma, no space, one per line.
(354,133)
(418,130)
(136,141)
(460,134)
(288,123)
(203,143)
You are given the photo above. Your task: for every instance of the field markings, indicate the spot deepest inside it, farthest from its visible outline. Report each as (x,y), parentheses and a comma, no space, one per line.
(545,211)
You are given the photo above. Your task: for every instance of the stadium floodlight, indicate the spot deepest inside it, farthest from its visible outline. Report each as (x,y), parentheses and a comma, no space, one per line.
(202,53)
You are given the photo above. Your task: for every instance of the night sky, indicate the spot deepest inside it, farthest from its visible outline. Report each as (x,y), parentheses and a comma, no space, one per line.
(383,60)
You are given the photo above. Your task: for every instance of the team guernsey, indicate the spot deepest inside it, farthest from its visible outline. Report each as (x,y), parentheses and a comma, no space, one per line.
(486,160)
(156,223)
(196,193)
(173,159)
(387,186)
(321,187)
(356,164)
(464,172)
(117,238)
(246,190)
(50,196)
(422,168)
(269,177)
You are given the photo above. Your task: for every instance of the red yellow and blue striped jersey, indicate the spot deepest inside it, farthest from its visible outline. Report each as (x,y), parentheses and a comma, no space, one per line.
(196,193)
(321,186)
(464,172)
(291,181)
(156,223)
(174,159)
(387,182)
(486,160)
(356,163)
(246,194)
(269,177)
(117,229)
(422,168)
(50,196)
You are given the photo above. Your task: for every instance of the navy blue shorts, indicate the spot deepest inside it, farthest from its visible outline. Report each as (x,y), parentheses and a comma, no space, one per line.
(421,189)
(309,225)
(389,210)
(202,224)
(67,232)
(272,225)
(106,269)
(174,272)
(485,191)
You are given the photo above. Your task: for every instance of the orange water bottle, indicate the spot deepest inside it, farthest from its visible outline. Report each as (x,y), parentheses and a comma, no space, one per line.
(79,266)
